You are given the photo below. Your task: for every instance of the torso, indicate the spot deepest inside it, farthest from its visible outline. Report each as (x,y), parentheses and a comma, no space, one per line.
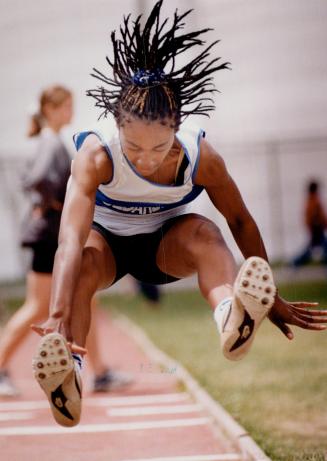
(128,203)
(166,173)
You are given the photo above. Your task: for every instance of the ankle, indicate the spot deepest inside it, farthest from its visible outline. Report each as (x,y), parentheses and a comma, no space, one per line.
(219,294)
(221,312)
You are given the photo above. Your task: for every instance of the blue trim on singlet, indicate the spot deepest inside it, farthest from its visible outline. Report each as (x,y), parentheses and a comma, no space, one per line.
(188,157)
(134,170)
(156,184)
(143,208)
(79,139)
(201,135)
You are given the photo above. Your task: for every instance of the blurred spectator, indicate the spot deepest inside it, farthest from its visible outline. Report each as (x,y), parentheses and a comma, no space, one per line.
(316,224)
(104,378)
(45,181)
(151,293)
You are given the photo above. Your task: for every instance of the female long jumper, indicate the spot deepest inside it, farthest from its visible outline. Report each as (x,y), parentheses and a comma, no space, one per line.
(127,208)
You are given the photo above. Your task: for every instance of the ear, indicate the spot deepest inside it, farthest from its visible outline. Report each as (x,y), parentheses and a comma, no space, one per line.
(47,109)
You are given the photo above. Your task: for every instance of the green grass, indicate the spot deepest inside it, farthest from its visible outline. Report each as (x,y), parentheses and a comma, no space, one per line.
(278,392)
(7,308)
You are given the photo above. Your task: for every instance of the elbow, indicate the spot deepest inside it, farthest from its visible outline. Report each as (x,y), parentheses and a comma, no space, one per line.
(236,223)
(240,223)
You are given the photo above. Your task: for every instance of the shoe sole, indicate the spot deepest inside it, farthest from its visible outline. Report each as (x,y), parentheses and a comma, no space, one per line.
(54,370)
(254,296)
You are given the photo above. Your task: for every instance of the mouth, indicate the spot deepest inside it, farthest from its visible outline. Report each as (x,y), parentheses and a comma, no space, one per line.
(146,171)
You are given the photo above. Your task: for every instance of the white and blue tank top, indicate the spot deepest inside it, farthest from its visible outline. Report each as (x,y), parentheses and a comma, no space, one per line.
(130,204)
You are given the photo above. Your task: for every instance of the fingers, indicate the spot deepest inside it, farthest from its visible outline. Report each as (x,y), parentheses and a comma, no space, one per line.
(307,314)
(302,322)
(302,308)
(311,319)
(310,315)
(285,329)
(44,331)
(315,312)
(303,304)
(77,349)
(41,330)
(37,329)
(299,313)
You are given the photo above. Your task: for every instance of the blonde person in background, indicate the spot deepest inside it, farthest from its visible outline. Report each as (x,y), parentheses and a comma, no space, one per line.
(45,182)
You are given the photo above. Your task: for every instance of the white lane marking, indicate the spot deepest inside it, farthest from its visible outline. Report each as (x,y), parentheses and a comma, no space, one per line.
(90,428)
(24,405)
(15,416)
(158,410)
(100,402)
(137,400)
(218,457)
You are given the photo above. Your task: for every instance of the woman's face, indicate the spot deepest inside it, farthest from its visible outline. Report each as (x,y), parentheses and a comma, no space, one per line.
(146,143)
(61,115)
(65,111)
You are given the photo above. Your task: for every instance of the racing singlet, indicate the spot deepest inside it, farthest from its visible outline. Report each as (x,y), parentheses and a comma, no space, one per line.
(130,204)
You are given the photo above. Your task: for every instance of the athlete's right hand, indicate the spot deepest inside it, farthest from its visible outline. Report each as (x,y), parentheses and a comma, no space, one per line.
(52,325)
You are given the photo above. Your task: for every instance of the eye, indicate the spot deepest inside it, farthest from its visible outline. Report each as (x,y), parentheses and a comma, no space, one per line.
(159,151)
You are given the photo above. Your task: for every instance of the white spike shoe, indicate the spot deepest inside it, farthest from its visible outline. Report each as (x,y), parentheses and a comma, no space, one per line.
(57,373)
(239,318)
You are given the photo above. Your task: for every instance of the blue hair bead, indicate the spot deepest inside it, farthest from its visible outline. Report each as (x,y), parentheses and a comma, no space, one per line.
(145,78)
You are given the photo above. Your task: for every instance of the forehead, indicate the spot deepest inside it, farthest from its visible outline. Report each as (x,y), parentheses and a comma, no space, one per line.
(137,130)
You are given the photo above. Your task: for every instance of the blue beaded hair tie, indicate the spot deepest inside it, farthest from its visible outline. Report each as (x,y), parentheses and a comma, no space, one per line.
(146,78)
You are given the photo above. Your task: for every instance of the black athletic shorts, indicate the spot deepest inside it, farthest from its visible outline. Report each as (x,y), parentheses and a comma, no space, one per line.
(136,254)
(43,257)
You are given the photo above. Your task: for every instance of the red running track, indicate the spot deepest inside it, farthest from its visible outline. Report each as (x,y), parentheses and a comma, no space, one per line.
(150,420)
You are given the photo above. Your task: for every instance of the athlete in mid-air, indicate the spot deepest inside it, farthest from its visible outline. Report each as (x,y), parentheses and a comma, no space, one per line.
(127,208)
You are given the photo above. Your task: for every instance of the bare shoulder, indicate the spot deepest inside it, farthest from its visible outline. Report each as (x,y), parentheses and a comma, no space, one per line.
(91,163)
(212,169)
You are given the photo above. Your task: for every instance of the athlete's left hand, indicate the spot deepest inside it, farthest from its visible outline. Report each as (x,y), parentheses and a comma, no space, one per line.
(300,313)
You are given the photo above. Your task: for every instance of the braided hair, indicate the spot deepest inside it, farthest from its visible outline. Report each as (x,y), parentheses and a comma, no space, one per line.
(145,82)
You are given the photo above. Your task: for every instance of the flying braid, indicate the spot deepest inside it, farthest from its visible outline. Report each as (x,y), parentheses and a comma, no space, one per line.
(145,81)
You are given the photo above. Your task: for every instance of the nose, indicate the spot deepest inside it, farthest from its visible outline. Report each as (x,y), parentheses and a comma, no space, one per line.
(144,160)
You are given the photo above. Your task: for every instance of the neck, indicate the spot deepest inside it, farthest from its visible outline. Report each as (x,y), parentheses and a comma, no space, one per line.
(54,127)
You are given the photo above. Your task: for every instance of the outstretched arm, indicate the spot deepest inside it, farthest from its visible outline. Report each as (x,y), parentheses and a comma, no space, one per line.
(91,167)
(225,195)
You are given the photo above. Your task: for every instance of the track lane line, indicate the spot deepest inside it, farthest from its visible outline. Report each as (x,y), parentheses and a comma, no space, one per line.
(154,410)
(97,428)
(100,402)
(16,416)
(218,457)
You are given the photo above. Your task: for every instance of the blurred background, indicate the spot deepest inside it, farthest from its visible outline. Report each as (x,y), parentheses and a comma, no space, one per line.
(269,125)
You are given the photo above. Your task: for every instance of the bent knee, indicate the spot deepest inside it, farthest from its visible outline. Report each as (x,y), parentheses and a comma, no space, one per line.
(89,271)
(92,273)
(201,237)
(208,232)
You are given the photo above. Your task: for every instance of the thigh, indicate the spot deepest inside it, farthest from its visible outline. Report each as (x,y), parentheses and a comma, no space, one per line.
(38,290)
(187,237)
(136,254)
(141,251)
